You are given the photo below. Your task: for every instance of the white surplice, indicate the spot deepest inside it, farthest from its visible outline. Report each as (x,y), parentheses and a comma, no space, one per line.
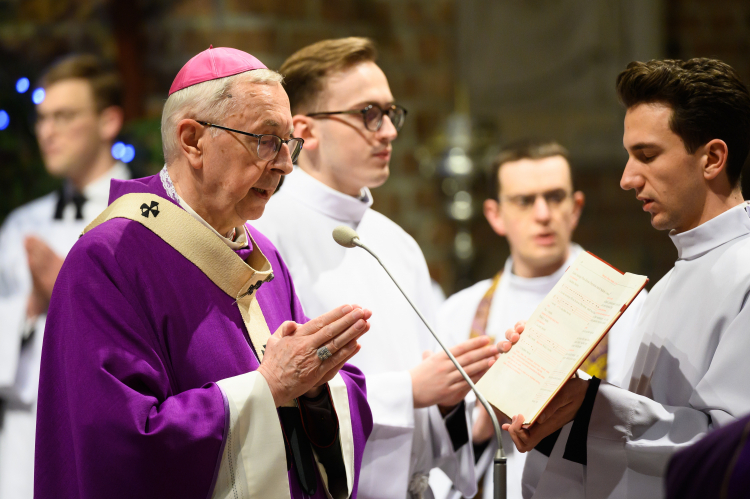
(19,359)
(687,368)
(515,299)
(406,443)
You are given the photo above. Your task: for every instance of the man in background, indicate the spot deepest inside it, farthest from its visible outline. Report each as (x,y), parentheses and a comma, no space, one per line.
(343,108)
(533,204)
(77,123)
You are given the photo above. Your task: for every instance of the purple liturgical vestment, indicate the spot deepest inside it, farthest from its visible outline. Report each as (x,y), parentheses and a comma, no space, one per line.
(137,337)
(718,465)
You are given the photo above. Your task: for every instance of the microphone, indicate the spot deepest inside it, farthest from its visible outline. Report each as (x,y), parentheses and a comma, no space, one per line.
(348,238)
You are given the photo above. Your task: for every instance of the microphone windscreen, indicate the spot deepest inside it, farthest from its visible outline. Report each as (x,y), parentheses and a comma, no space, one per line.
(345,236)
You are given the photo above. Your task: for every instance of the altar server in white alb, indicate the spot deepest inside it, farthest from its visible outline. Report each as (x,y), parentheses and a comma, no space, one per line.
(343,108)
(687,134)
(77,123)
(532,204)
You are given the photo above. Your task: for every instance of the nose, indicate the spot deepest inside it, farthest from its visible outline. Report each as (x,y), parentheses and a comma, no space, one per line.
(631,179)
(541,209)
(44,129)
(387,132)
(282,163)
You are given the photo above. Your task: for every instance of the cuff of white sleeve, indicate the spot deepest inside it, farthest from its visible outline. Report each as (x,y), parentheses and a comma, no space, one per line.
(391,399)
(253,463)
(612,414)
(458,464)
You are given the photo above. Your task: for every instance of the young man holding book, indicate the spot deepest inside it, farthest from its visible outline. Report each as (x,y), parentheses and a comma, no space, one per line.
(687,133)
(532,204)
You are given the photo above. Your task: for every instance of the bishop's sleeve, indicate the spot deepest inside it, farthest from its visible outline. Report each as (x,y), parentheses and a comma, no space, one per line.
(109,423)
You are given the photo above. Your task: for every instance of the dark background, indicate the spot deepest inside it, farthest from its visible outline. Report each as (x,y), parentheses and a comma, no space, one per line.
(473,74)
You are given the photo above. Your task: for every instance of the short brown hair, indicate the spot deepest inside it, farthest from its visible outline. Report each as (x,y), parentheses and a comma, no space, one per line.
(524,149)
(105,83)
(305,70)
(707,98)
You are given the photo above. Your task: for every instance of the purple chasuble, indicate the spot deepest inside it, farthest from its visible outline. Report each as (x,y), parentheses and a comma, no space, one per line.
(718,465)
(136,338)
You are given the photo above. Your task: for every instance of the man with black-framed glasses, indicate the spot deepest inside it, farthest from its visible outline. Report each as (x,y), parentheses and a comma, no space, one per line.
(343,108)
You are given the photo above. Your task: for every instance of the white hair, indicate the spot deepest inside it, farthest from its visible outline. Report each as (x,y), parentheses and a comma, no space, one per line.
(208,101)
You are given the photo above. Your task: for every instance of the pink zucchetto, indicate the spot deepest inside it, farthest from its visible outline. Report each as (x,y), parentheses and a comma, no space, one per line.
(214,63)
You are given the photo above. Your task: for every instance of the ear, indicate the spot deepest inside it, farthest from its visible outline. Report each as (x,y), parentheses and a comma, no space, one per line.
(716,153)
(492,212)
(579,200)
(306,129)
(110,123)
(191,137)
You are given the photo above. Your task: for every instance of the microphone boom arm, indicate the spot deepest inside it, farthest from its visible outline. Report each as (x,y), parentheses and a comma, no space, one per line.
(500,460)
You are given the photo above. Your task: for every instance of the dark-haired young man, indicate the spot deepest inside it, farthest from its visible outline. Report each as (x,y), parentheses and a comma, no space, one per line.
(687,134)
(533,205)
(343,108)
(77,122)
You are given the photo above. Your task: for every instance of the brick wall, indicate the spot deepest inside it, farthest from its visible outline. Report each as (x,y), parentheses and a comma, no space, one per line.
(150,41)
(417,39)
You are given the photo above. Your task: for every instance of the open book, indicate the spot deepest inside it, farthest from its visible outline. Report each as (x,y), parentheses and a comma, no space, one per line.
(563,330)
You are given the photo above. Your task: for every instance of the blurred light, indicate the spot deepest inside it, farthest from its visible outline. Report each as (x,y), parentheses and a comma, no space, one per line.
(38,96)
(118,150)
(128,155)
(22,85)
(460,208)
(463,245)
(4,119)
(457,162)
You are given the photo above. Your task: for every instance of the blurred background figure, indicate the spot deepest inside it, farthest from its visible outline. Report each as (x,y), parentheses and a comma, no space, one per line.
(77,121)
(533,204)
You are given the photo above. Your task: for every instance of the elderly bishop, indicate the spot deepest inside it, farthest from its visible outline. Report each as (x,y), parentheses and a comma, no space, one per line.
(160,376)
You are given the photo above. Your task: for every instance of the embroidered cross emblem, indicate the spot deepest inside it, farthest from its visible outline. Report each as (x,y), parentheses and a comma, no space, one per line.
(153,209)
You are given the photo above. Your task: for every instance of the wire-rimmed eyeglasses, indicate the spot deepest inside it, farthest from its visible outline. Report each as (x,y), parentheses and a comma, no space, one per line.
(269,145)
(372,115)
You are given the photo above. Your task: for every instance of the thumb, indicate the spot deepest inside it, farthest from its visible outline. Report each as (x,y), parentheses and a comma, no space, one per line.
(287,328)
(426,354)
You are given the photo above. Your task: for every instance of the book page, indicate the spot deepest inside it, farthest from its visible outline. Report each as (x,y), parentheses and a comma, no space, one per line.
(559,335)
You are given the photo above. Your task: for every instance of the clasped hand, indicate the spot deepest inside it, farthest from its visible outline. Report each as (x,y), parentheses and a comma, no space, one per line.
(559,412)
(291,365)
(44,265)
(437,381)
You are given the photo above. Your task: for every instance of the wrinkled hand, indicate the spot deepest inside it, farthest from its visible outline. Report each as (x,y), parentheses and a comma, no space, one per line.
(44,265)
(437,381)
(291,365)
(560,411)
